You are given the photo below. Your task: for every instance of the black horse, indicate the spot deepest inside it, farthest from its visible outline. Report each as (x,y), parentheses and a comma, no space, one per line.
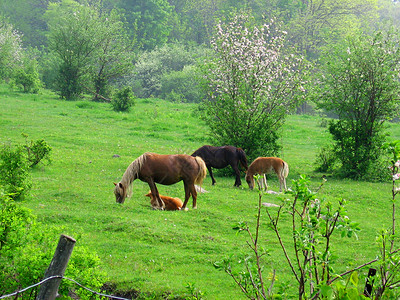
(220,157)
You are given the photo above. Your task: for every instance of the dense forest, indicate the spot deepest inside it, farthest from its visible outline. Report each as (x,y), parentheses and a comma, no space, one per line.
(152,46)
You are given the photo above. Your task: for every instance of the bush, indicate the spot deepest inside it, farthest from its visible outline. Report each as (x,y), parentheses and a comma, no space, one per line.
(26,250)
(14,167)
(357,149)
(326,159)
(38,151)
(27,77)
(123,100)
(68,82)
(182,83)
(152,69)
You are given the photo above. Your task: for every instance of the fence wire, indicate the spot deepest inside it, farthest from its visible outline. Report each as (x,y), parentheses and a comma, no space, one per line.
(62,277)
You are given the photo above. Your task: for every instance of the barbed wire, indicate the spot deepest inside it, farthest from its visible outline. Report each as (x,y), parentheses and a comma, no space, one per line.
(62,277)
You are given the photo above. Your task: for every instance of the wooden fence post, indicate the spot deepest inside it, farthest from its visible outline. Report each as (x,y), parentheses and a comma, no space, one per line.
(49,289)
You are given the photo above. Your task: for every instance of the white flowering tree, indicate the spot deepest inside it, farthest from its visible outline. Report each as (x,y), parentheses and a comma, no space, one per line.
(252,83)
(10,49)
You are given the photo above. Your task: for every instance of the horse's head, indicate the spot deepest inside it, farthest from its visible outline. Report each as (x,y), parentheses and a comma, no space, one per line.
(250,180)
(120,192)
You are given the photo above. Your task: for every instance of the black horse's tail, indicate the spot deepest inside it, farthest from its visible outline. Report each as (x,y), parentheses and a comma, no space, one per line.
(242,158)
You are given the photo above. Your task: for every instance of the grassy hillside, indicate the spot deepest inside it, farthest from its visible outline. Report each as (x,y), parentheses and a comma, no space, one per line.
(159,252)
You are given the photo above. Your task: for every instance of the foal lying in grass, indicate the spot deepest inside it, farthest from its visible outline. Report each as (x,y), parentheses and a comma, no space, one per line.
(170,203)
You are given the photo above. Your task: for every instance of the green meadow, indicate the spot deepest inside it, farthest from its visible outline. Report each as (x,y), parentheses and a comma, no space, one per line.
(160,253)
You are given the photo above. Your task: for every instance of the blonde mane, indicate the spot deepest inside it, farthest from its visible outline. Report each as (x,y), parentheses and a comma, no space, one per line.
(132,172)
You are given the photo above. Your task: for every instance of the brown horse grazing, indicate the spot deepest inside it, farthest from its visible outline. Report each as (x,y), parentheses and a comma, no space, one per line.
(170,203)
(221,157)
(164,169)
(265,165)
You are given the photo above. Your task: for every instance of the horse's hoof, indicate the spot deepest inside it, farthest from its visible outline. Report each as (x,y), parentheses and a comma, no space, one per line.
(185,209)
(194,207)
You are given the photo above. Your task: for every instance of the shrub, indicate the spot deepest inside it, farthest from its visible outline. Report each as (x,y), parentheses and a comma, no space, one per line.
(357,149)
(14,167)
(326,159)
(68,82)
(15,223)
(183,83)
(123,100)
(26,250)
(37,151)
(152,69)
(85,268)
(27,77)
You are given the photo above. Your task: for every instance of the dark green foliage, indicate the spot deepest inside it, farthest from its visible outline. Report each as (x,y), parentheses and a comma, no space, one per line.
(14,171)
(68,82)
(91,47)
(48,68)
(102,87)
(123,99)
(356,148)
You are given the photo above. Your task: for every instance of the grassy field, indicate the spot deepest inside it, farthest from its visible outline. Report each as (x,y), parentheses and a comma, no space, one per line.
(159,252)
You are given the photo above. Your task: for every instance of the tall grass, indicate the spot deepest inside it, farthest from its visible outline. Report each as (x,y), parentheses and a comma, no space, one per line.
(160,252)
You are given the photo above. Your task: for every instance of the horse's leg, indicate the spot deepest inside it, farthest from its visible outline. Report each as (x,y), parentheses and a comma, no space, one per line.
(155,193)
(193,192)
(282,181)
(187,195)
(211,174)
(235,168)
(265,182)
(260,182)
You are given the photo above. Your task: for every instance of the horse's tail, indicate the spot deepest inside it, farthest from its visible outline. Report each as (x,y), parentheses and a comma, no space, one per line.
(285,169)
(202,170)
(242,158)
